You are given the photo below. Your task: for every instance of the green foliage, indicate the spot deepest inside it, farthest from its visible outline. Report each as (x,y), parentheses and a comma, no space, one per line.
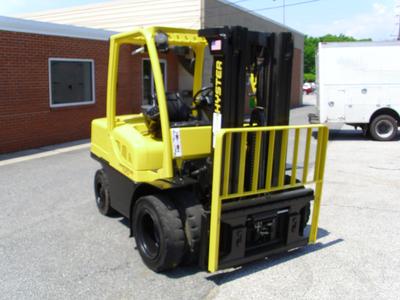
(311,44)
(308,77)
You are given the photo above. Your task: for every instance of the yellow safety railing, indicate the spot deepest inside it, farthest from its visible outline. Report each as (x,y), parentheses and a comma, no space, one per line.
(222,157)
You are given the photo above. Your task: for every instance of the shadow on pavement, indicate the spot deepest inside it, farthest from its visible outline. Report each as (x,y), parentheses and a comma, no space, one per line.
(350,135)
(256,266)
(271,261)
(300,106)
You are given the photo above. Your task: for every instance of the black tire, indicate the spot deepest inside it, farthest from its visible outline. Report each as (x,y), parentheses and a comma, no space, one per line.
(383,128)
(191,212)
(102,193)
(158,232)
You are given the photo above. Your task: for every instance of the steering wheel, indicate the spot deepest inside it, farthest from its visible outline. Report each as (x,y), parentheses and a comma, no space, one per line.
(205,94)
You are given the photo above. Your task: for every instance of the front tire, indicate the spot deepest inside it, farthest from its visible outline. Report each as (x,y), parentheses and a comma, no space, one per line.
(383,128)
(158,232)
(191,212)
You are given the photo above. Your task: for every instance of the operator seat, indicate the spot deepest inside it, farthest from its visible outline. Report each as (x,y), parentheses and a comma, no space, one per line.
(178,111)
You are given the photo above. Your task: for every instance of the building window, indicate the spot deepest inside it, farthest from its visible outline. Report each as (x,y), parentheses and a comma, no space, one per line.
(71,82)
(149,87)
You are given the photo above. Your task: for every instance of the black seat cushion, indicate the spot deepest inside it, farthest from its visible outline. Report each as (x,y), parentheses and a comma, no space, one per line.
(178,111)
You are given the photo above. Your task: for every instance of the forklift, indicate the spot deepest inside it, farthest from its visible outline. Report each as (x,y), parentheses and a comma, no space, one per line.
(204,183)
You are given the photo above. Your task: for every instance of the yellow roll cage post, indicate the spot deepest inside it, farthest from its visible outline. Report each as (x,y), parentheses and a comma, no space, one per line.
(222,155)
(176,37)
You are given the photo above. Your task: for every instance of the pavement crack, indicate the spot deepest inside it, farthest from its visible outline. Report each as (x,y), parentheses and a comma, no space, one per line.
(385,169)
(361,207)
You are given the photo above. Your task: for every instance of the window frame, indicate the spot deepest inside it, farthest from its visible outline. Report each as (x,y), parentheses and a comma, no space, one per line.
(152,83)
(92,101)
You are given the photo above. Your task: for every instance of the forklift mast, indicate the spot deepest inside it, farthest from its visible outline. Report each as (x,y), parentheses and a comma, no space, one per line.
(249,164)
(239,56)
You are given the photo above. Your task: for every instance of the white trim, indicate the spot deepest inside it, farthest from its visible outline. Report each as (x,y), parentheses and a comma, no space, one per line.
(43,154)
(93,101)
(44,28)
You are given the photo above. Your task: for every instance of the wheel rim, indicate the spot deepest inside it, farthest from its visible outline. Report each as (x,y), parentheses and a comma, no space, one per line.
(148,235)
(384,129)
(101,196)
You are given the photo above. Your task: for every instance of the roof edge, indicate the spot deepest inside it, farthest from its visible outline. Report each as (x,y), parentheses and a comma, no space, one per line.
(260,16)
(45,28)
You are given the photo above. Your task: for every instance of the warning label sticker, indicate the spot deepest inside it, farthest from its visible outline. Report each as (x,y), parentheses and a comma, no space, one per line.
(217,123)
(176,142)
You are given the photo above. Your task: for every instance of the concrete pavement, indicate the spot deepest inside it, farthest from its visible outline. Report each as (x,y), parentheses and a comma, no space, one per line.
(54,244)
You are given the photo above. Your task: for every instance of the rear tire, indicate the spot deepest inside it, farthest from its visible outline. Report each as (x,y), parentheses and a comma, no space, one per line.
(102,193)
(383,128)
(158,232)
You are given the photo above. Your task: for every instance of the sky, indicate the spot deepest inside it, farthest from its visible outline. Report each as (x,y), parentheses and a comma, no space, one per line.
(376,19)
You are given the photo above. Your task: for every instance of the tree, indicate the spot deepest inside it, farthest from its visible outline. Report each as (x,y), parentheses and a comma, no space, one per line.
(311,43)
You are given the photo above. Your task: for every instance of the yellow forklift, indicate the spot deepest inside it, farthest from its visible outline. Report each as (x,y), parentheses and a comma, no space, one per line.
(204,182)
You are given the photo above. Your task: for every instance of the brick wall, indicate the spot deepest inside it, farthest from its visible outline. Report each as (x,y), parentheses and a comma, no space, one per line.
(26,119)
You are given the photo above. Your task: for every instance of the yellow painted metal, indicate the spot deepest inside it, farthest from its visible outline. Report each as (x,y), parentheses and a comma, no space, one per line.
(323,137)
(195,141)
(112,83)
(198,70)
(253,84)
(98,143)
(167,170)
(242,162)
(227,164)
(282,164)
(270,159)
(256,160)
(307,154)
(295,153)
(215,219)
(223,138)
(117,150)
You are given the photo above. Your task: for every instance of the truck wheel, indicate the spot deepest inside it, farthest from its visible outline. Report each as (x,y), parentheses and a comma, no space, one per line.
(102,193)
(191,212)
(383,128)
(158,232)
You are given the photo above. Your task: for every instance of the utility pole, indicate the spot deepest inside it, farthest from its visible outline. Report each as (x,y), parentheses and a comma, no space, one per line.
(398,36)
(283,12)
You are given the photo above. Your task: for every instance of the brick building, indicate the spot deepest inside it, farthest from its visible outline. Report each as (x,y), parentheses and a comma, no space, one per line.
(53,65)
(53,82)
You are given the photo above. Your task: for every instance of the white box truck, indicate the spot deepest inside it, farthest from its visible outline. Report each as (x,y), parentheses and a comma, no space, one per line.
(358,83)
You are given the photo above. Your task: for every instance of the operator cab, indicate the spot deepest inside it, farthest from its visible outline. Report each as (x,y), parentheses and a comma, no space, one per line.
(179,113)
